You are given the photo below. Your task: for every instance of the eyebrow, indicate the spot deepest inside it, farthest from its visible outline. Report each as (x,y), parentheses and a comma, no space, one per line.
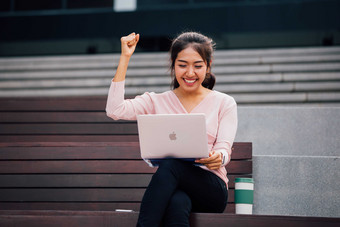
(200,61)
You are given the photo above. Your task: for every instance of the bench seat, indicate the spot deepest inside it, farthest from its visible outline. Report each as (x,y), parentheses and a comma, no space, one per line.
(86,175)
(123,219)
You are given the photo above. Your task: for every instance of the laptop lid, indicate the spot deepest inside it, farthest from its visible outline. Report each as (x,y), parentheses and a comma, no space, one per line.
(173,136)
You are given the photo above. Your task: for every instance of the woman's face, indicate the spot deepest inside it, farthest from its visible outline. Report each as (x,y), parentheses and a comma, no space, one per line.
(190,70)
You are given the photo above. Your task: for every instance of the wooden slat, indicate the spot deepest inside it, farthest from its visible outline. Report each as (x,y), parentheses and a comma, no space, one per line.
(72,195)
(83,180)
(78,195)
(231,194)
(69,129)
(75,167)
(88,150)
(59,117)
(75,220)
(95,166)
(242,150)
(240,167)
(54,104)
(118,150)
(68,138)
(122,219)
(94,206)
(74,180)
(124,142)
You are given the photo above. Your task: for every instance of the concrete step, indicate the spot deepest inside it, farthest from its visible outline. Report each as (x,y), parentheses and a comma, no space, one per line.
(282,75)
(300,51)
(79,75)
(146,84)
(224,57)
(277,97)
(293,51)
(278,77)
(77,70)
(162,62)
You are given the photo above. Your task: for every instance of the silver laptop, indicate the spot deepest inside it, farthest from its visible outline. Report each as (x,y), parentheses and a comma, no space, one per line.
(181,136)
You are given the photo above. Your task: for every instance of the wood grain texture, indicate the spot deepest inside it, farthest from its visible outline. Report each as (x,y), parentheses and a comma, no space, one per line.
(65,154)
(123,219)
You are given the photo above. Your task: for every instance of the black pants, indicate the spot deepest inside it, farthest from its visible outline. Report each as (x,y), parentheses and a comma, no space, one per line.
(176,189)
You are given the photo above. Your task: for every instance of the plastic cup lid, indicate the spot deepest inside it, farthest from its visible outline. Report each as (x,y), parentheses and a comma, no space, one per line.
(244,180)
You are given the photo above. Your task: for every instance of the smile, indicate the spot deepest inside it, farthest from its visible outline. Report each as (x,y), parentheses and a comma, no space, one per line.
(189,81)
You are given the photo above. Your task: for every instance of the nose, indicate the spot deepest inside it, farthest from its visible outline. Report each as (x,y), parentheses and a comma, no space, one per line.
(191,71)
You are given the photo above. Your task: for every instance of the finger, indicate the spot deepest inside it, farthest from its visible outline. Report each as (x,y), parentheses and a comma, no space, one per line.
(134,41)
(212,156)
(213,165)
(202,161)
(131,35)
(206,160)
(217,157)
(137,38)
(129,38)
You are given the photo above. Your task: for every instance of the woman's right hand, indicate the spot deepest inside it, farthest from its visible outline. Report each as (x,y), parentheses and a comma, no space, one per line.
(128,44)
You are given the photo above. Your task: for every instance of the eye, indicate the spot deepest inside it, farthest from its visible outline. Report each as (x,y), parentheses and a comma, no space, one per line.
(182,66)
(198,66)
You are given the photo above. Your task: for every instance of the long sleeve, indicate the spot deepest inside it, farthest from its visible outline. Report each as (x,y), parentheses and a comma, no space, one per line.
(118,108)
(226,130)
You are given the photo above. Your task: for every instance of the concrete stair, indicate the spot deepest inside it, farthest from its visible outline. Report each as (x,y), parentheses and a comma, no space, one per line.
(306,75)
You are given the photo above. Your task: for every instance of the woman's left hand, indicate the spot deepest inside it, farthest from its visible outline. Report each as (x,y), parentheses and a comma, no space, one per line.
(213,162)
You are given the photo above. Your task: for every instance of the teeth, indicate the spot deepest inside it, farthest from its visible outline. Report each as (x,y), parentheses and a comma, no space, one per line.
(189,81)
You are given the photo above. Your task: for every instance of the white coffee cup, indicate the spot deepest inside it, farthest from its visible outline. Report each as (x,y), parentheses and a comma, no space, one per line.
(244,195)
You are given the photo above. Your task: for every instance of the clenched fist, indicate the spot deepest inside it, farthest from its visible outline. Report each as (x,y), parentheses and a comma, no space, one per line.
(128,44)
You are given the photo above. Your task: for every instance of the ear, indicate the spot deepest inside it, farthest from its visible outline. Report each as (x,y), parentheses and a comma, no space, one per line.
(209,67)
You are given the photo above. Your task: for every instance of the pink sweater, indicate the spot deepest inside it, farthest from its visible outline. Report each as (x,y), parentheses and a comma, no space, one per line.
(220,111)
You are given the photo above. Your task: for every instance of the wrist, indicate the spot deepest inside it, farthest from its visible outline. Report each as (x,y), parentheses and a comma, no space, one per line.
(124,58)
(222,158)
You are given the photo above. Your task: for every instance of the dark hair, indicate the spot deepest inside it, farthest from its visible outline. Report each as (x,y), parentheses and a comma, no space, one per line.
(204,47)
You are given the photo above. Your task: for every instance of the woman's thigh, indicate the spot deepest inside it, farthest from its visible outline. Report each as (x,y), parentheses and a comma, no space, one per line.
(207,191)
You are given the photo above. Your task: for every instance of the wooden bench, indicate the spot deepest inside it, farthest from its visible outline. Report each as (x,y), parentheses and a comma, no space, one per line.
(66,154)
(65,163)
(84,175)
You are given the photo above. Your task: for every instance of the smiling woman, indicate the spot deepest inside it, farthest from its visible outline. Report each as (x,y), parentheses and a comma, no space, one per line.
(190,68)
(202,47)
(179,187)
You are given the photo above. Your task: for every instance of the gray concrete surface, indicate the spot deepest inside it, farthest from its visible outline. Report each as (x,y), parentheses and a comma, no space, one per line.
(296,154)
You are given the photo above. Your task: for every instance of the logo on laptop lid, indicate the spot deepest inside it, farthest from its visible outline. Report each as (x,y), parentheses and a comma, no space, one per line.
(172,136)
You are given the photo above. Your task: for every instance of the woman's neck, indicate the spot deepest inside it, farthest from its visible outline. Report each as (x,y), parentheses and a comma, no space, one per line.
(190,100)
(181,93)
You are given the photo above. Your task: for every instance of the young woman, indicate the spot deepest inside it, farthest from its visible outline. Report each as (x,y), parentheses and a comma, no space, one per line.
(178,187)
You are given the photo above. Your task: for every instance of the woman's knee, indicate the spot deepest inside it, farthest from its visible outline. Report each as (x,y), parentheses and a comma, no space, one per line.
(180,201)
(178,210)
